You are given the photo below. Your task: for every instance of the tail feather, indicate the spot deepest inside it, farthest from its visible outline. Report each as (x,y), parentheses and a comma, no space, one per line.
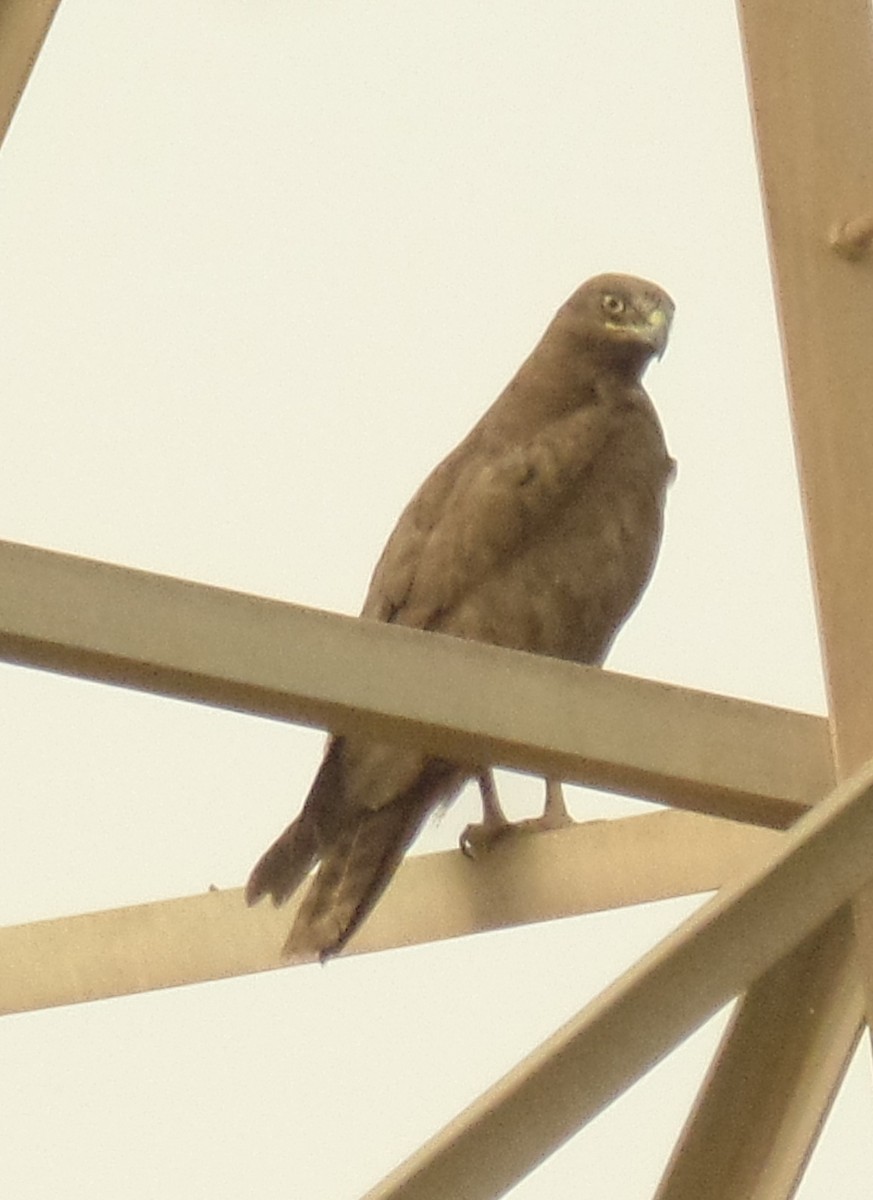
(350,880)
(358,867)
(281,869)
(358,847)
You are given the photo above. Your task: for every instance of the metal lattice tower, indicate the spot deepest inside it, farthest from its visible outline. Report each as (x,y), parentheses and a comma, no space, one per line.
(791,930)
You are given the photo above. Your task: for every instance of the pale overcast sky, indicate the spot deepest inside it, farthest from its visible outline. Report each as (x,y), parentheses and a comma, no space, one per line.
(263,265)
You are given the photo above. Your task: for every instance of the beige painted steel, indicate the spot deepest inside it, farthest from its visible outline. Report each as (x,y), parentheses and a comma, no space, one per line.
(468,701)
(862,915)
(810,69)
(810,74)
(802,1019)
(533,877)
(823,860)
(817,174)
(23,28)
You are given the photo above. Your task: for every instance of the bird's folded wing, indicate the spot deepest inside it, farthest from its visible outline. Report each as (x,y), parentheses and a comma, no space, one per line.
(477,509)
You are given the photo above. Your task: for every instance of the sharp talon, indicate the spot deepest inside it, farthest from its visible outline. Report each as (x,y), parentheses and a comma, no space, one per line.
(479,839)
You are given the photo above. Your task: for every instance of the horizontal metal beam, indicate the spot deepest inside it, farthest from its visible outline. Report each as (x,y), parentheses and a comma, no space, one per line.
(534,877)
(713,956)
(465,700)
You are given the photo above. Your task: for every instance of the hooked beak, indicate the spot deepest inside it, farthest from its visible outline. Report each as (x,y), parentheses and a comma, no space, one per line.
(656,329)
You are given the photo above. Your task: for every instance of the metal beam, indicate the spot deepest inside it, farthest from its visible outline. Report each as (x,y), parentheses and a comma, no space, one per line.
(771,1085)
(810,74)
(529,878)
(810,71)
(24,25)
(713,956)
(176,638)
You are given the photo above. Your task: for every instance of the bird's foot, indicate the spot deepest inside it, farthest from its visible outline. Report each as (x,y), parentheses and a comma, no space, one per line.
(555,814)
(494,828)
(477,839)
(549,820)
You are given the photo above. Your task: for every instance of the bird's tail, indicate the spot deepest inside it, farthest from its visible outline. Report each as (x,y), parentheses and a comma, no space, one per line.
(359,847)
(351,878)
(283,867)
(361,862)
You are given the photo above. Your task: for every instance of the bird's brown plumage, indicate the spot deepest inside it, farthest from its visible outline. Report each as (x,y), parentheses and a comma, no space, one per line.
(538,532)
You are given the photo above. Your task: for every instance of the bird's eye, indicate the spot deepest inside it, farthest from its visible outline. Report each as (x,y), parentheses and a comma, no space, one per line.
(614,305)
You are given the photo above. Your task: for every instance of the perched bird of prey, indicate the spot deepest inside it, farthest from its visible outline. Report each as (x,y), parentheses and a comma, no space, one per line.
(539,532)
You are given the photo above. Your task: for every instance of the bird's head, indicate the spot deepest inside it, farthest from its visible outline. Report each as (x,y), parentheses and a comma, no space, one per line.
(625,321)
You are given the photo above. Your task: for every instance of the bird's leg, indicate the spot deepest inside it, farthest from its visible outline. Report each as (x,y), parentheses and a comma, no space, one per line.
(477,838)
(494,824)
(555,814)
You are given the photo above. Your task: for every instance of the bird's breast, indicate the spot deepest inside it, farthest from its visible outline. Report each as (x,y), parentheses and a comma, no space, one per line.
(570,587)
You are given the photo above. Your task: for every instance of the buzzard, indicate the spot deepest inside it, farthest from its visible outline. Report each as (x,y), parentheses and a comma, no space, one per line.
(539,532)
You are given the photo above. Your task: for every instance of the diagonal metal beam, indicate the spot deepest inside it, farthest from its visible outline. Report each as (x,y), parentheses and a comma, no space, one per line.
(713,956)
(176,638)
(862,919)
(810,74)
(771,1085)
(24,25)
(535,878)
